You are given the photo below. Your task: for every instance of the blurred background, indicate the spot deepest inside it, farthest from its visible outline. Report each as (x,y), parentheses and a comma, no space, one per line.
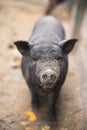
(17,19)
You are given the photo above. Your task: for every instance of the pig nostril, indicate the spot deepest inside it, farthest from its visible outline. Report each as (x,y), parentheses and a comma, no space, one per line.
(45,76)
(53,77)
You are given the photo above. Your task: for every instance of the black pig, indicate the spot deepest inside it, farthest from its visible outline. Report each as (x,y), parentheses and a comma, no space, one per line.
(45,61)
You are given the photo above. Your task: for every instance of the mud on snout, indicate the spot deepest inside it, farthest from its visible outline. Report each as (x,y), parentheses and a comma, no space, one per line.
(48,73)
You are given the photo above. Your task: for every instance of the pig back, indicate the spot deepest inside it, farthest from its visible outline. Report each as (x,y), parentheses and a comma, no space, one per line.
(47,28)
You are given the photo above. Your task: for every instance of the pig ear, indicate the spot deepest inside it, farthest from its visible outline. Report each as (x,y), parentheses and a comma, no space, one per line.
(67,45)
(23,47)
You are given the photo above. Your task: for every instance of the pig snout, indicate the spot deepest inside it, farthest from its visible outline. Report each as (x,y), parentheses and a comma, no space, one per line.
(48,77)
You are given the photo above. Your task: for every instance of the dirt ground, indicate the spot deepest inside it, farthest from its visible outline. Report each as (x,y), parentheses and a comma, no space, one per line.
(17,19)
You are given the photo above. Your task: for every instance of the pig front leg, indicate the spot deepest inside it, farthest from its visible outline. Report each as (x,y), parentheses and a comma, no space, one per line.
(35,100)
(52,99)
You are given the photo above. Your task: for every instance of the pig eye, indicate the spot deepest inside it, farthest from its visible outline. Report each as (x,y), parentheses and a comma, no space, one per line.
(58,58)
(34,59)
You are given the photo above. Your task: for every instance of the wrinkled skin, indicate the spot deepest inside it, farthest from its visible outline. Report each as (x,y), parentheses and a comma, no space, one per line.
(45,62)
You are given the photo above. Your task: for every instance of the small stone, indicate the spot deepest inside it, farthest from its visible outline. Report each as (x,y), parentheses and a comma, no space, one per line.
(24,123)
(10,46)
(63,129)
(27,128)
(46,127)
(15,62)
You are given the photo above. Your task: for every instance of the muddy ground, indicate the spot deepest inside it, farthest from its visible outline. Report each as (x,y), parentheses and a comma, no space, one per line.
(17,19)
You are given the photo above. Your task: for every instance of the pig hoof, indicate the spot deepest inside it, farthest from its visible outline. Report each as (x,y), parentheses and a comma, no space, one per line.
(52,123)
(36,106)
(52,120)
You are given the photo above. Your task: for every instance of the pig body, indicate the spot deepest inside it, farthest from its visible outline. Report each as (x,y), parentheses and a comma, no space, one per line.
(45,61)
